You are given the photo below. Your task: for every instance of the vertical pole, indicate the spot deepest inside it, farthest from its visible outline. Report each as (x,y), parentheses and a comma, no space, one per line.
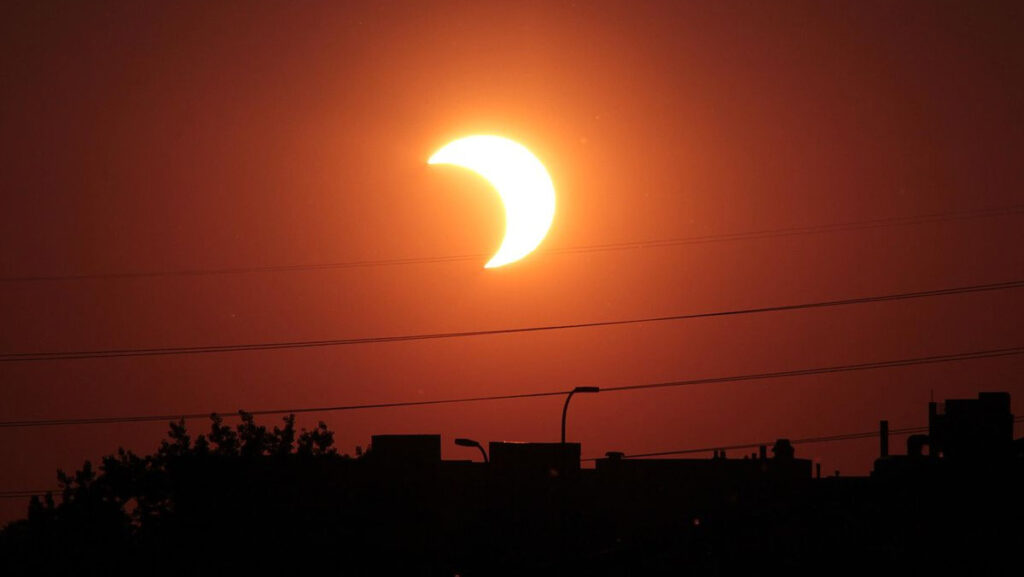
(565,409)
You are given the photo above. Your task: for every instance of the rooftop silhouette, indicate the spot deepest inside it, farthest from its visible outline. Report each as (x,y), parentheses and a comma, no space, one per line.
(255,498)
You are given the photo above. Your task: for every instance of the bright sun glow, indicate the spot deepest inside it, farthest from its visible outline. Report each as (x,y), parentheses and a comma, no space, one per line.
(520,179)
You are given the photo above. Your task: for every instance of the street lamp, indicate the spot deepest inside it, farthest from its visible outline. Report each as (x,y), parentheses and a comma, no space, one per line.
(472,443)
(565,408)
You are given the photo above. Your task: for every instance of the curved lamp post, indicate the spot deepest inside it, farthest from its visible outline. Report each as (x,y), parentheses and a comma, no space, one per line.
(471,443)
(565,408)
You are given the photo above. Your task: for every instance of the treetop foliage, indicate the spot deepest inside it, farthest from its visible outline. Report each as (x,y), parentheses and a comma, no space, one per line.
(132,491)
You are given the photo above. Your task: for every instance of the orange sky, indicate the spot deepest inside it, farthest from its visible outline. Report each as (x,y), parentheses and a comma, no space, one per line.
(144,137)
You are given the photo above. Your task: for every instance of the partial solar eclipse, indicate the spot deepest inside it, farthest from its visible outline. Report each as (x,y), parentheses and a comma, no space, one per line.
(521,180)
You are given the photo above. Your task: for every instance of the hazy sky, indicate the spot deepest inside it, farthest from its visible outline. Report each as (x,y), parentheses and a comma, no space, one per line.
(160,137)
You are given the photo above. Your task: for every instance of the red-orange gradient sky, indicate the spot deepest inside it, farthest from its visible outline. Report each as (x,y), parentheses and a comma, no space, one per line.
(144,137)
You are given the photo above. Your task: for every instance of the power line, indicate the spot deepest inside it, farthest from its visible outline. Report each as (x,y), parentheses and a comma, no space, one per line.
(963,356)
(833,369)
(805,440)
(826,439)
(108,353)
(25,494)
(795,231)
(654,243)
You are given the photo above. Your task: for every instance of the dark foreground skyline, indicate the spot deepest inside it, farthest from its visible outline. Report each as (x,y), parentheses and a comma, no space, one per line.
(187,175)
(253,498)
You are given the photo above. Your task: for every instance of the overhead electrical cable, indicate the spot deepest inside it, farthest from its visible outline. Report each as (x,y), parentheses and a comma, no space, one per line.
(801,441)
(16,494)
(905,362)
(822,439)
(207,349)
(641,244)
(832,369)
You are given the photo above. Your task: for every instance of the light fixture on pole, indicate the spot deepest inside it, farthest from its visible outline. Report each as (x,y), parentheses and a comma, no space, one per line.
(471,443)
(565,408)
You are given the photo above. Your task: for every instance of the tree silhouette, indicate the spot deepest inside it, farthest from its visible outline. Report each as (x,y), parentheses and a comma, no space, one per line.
(131,502)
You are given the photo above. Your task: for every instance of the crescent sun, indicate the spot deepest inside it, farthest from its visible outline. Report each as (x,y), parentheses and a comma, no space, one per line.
(521,180)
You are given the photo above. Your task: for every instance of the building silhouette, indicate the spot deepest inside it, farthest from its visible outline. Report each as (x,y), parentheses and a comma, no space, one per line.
(966,437)
(950,504)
